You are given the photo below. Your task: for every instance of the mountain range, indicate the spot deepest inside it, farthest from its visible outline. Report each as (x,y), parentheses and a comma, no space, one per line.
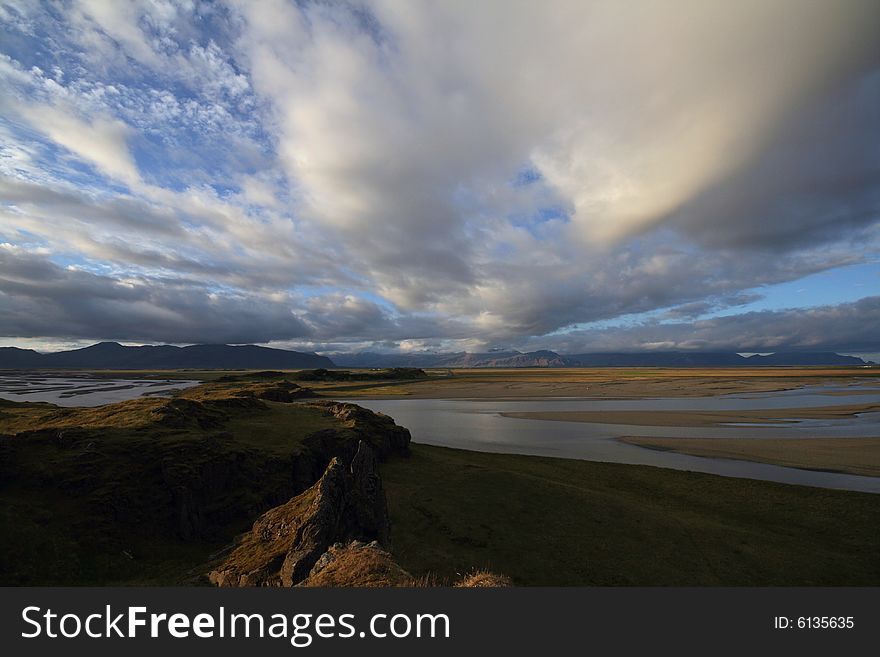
(553,359)
(114,356)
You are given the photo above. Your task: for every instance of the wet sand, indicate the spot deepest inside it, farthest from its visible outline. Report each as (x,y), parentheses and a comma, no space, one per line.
(613,383)
(860,456)
(780,416)
(846,455)
(71,389)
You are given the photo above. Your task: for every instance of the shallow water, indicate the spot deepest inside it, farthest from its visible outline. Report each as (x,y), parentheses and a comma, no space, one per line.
(478,425)
(82,390)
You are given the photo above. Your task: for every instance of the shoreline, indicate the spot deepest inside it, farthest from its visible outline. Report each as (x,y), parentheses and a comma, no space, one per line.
(852,456)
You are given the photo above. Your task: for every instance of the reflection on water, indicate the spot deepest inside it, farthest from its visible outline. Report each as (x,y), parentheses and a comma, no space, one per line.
(478,425)
(82,390)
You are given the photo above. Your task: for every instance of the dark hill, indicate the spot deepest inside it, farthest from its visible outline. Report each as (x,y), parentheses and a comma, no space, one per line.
(15,358)
(800,358)
(114,356)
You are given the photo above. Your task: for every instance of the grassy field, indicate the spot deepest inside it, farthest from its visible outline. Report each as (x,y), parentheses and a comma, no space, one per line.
(561,522)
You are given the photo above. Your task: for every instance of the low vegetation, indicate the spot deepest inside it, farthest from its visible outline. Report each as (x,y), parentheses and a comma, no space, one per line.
(559,522)
(144,491)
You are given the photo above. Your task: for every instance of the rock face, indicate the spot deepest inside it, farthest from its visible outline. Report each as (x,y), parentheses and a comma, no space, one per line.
(198,474)
(336,533)
(347,503)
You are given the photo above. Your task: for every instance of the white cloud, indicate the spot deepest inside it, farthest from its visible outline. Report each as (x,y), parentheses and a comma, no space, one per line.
(100,141)
(370,150)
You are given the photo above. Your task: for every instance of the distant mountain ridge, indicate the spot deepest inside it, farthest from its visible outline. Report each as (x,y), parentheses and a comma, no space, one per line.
(114,356)
(552,359)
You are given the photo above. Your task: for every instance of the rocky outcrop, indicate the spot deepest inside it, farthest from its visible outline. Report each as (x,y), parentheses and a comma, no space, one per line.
(199,474)
(195,480)
(377,429)
(285,392)
(150,470)
(347,503)
(336,533)
(357,564)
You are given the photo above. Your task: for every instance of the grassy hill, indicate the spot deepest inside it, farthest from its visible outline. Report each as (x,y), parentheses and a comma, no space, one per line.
(144,491)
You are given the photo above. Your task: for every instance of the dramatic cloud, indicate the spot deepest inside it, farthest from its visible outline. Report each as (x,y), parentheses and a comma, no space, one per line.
(436,174)
(39,298)
(844,327)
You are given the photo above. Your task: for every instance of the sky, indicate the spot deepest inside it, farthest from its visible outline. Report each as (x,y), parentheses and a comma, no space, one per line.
(441,176)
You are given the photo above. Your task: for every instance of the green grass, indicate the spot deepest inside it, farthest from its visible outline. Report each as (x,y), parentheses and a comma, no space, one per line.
(281,429)
(50,539)
(555,522)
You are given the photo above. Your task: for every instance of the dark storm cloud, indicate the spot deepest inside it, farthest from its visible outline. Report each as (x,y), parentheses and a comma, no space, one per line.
(816,180)
(124,214)
(844,327)
(36,293)
(40,299)
(697,308)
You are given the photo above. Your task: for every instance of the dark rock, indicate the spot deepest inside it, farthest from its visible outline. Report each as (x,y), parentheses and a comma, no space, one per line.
(347,503)
(370,507)
(200,478)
